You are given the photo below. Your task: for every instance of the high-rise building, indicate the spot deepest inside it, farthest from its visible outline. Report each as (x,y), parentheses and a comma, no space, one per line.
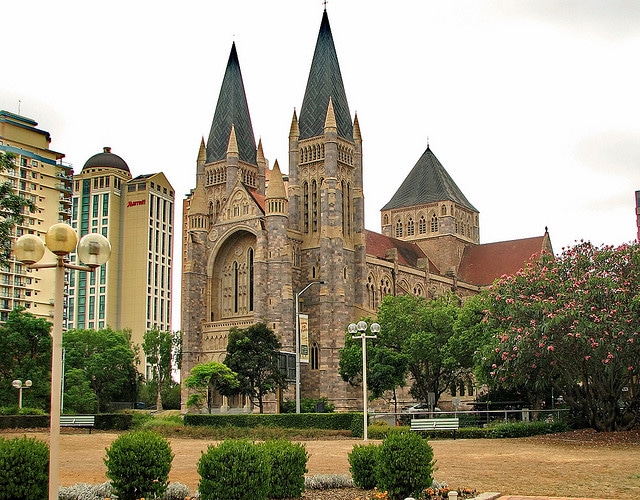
(39,175)
(133,289)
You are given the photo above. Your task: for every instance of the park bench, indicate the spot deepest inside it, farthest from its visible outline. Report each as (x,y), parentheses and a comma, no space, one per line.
(83,421)
(429,424)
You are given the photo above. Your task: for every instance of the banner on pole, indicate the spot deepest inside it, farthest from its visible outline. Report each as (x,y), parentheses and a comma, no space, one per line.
(304,338)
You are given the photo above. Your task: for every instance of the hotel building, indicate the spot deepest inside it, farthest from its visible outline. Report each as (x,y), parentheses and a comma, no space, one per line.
(133,289)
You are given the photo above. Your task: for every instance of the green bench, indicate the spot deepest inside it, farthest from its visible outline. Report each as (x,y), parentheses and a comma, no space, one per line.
(82,421)
(430,424)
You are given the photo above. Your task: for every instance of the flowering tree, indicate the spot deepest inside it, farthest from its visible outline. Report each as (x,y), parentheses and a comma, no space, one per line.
(572,323)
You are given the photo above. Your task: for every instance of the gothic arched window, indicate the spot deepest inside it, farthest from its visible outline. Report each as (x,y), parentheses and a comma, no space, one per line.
(410,227)
(305,205)
(422,225)
(250,272)
(399,229)
(315,356)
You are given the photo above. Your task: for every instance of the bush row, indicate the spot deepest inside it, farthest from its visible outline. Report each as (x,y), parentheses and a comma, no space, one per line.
(104,421)
(326,421)
(138,465)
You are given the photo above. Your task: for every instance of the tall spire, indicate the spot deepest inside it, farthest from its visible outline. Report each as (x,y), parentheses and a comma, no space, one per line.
(232,109)
(325,81)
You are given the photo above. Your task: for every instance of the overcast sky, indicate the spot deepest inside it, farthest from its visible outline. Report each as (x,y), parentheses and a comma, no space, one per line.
(532,106)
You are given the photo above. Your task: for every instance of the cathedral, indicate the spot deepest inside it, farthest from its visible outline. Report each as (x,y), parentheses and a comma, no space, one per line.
(255,239)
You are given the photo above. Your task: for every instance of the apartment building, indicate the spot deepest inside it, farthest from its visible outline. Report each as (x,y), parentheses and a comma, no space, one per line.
(38,174)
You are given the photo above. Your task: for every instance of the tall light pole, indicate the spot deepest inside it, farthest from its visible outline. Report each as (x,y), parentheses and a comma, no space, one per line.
(94,250)
(19,385)
(298,340)
(362,328)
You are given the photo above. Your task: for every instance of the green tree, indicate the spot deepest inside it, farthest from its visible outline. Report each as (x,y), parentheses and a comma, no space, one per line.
(108,361)
(25,352)
(253,354)
(386,367)
(78,394)
(571,322)
(437,337)
(163,351)
(12,207)
(208,377)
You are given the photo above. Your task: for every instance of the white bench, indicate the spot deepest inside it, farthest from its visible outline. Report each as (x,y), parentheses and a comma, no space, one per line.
(83,421)
(430,424)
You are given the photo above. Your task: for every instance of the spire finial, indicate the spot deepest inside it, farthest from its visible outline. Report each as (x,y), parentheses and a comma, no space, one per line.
(324,2)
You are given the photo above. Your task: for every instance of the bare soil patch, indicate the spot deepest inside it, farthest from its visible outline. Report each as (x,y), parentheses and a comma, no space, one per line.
(574,464)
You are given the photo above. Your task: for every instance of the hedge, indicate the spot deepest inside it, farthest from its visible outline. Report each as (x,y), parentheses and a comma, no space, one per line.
(327,421)
(104,421)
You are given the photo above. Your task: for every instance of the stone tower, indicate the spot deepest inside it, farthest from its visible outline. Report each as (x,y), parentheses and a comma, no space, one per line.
(327,216)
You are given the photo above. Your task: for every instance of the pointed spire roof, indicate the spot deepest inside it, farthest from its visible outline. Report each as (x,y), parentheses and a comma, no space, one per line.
(276,188)
(202,152)
(427,182)
(325,81)
(232,109)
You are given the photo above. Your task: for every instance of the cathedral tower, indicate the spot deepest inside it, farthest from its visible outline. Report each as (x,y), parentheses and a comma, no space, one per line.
(327,214)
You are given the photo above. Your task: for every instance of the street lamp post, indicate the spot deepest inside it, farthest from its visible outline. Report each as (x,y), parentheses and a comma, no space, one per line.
(298,340)
(19,385)
(94,250)
(361,327)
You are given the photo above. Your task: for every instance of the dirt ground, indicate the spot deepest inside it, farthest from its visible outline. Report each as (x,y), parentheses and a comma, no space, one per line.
(575,464)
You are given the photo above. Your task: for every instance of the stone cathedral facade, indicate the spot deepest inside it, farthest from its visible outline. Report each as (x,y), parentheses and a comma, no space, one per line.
(253,238)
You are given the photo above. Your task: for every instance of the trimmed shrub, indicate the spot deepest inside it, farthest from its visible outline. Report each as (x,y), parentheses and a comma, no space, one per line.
(234,470)
(405,465)
(333,421)
(288,462)
(138,464)
(114,421)
(524,429)
(362,465)
(24,469)
(357,425)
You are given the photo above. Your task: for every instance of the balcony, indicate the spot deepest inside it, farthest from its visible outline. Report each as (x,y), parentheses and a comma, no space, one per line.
(64,176)
(63,187)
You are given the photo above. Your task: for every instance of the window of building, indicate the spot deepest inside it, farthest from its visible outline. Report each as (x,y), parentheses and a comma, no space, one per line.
(434,223)
(410,227)
(314,205)
(399,229)
(315,356)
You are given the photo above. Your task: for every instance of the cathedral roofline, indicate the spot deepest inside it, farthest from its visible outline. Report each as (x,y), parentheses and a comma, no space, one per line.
(428,182)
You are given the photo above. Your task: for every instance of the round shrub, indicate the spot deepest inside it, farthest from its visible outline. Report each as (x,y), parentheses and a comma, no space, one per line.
(24,469)
(362,465)
(234,470)
(405,465)
(138,464)
(288,462)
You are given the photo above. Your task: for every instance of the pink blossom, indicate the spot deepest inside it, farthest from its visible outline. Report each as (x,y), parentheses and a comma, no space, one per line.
(550,348)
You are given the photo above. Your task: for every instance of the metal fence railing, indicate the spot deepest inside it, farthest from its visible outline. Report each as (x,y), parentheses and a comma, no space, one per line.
(474,418)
